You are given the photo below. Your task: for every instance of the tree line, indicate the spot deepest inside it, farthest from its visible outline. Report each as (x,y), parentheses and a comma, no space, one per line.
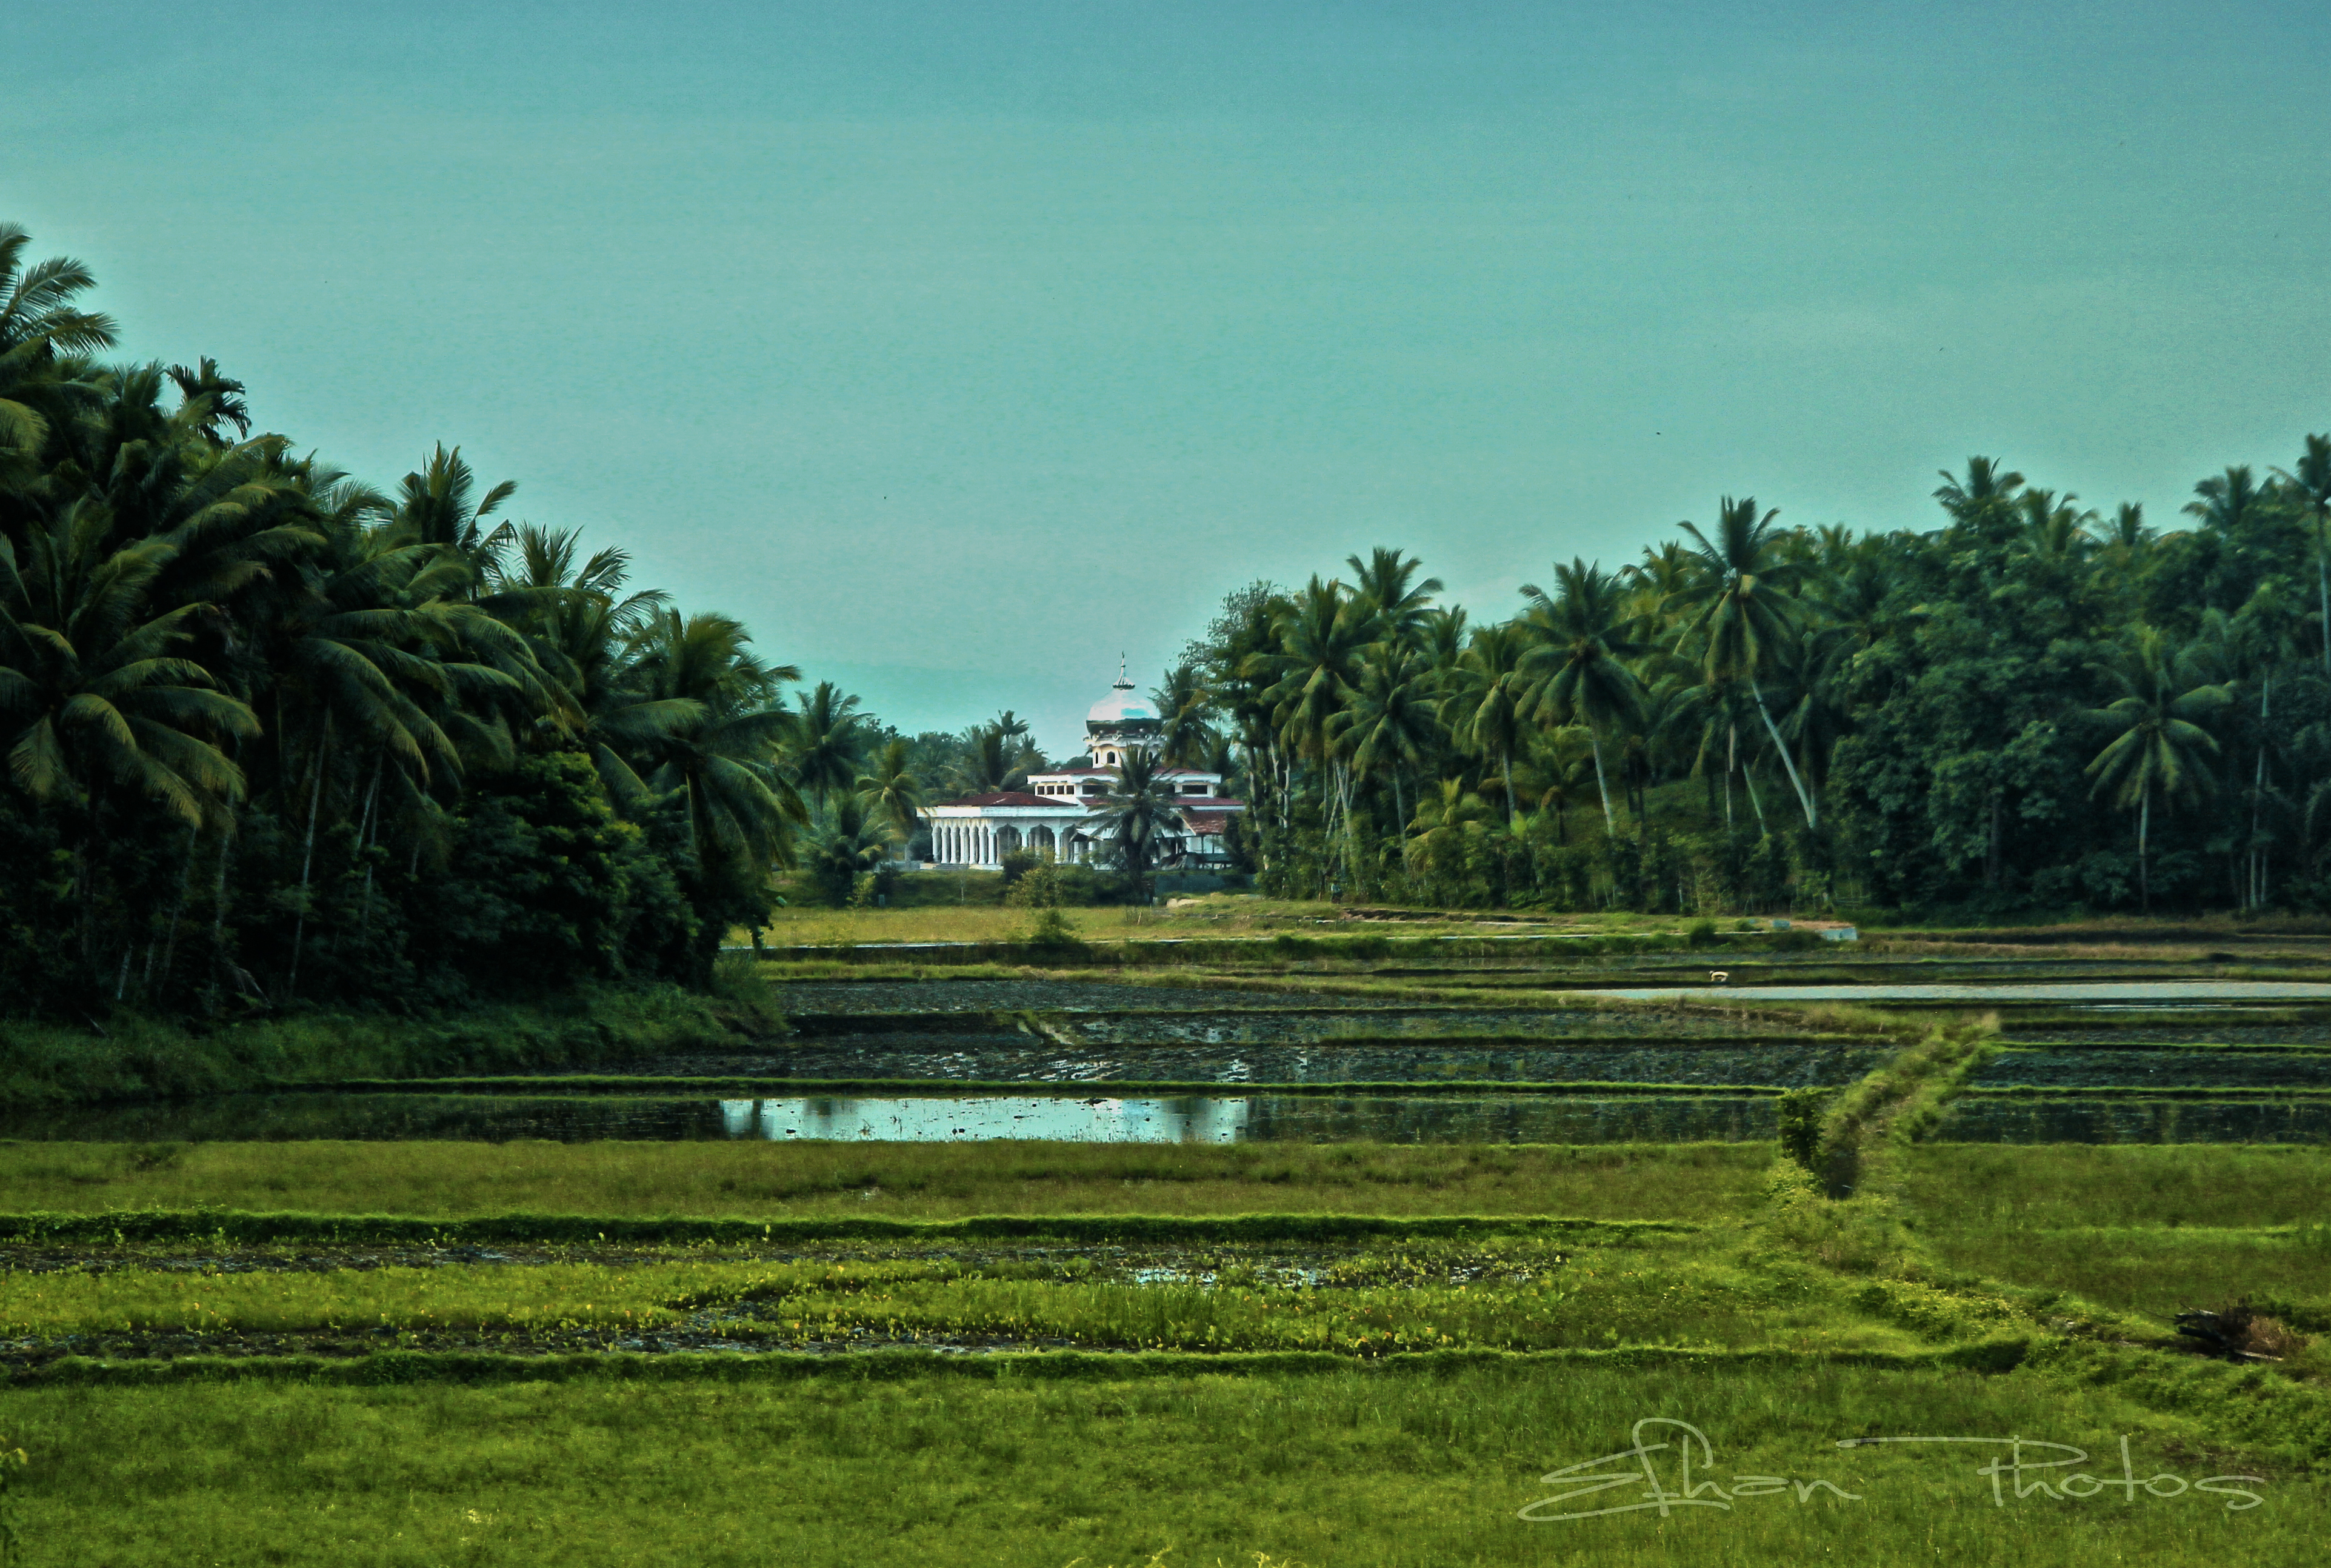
(2029,705)
(274,734)
(277,737)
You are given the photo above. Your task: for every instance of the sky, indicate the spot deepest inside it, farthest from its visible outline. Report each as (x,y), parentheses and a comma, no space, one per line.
(960,349)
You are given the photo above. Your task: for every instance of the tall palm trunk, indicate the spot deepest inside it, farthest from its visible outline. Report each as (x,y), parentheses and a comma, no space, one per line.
(307,854)
(2323,583)
(1505,763)
(2144,869)
(1609,823)
(1805,796)
(2257,796)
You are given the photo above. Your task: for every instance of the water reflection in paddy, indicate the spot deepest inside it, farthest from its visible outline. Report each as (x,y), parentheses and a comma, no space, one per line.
(1166,1118)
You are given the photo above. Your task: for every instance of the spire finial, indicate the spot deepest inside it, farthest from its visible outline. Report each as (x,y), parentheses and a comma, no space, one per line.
(1121,678)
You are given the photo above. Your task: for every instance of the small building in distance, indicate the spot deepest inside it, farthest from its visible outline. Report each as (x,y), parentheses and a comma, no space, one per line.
(1053,813)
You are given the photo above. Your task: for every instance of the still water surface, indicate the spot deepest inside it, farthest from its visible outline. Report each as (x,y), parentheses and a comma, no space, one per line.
(922,1118)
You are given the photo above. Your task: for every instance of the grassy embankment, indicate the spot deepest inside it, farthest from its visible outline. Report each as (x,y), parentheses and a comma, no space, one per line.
(763,1181)
(130,1056)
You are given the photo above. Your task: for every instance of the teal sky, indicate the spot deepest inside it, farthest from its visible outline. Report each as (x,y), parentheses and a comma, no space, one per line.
(958,348)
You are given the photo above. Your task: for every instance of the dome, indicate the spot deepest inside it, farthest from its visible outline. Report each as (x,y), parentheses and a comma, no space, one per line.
(1121,706)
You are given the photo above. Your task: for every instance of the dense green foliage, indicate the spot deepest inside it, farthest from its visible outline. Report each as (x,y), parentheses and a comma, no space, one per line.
(275,738)
(2029,706)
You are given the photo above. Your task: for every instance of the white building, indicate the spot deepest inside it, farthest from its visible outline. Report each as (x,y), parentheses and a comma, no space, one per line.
(1053,812)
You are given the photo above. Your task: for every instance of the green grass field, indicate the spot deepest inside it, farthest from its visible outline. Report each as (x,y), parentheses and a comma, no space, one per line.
(899,1180)
(1357,1467)
(1117,1354)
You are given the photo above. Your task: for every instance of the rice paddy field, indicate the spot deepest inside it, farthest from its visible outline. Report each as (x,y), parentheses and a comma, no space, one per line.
(1239,1236)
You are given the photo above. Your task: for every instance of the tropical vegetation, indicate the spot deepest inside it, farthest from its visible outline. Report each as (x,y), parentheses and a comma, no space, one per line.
(2022,704)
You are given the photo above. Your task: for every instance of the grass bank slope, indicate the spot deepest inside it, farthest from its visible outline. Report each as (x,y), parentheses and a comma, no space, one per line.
(761,1181)
(131,1057)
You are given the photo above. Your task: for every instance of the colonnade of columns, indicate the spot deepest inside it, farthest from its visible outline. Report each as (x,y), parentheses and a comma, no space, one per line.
(972,842)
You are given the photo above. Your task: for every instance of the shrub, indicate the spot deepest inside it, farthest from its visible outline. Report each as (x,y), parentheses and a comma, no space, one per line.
(1701,933)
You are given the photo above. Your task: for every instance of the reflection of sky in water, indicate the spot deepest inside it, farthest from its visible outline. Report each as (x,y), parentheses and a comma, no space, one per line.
(1179,1120)
(2127,993)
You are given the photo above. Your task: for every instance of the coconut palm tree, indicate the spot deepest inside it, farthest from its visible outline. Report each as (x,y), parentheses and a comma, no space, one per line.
(1576,666)
(827,741)
(1137,818)
(1184,715)
(434,506)
(1386,588)
(719,757)
(1389,725)
(1982,503)
(1741,591)
(1321,633)
(2313,483)
(855,842)
(43,336)
(2156,746)
(890,792)
(96,697)
(1483,700)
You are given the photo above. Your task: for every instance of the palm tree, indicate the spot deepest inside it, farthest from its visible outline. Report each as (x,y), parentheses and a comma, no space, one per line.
(434,507)
(1555,771)
(1576,665)
(827,741)
(43,335)
(1389,723)
(1742,590)
(1483,700)
(1136,817)
(719,756)
(2225,501)
(2156,743)
(1388,590)
(2313,483)
(996,757)
(854,843)
(890,793)
(1982,503)
(95,696)
(1453,839)
(1321,632)
(1184,715)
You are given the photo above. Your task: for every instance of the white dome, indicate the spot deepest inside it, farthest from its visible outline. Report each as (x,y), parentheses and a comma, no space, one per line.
(1121,706)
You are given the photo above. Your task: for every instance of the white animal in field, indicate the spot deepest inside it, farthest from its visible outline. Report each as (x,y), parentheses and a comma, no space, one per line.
(1719,977)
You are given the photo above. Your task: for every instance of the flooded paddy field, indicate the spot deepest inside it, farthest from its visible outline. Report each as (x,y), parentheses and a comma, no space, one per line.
(2071,1067)
(2012,1119)
(1219,1025)
(1457,1118)
(983,1059)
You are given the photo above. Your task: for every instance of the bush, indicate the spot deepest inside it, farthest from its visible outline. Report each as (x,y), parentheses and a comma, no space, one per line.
(1038,888)
(1052,936)
(1801,1113)
(1701,933)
